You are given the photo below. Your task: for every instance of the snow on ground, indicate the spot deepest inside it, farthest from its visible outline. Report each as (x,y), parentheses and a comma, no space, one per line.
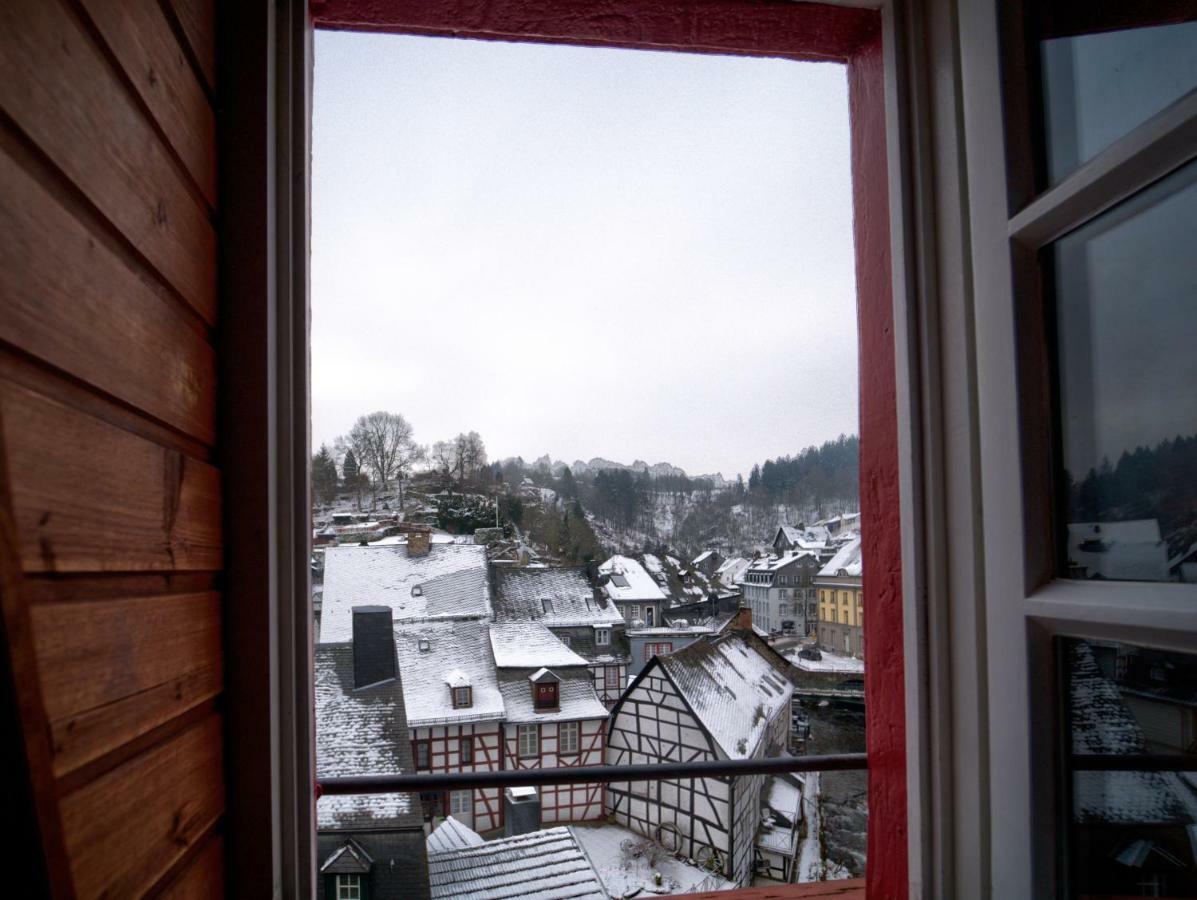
(831,662)
(810,853)
(624,875)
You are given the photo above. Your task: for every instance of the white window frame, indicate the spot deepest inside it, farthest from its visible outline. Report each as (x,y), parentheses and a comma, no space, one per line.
(570,728)
(602,637)
(457,806)
(348,887)
(611,674)
(527,741)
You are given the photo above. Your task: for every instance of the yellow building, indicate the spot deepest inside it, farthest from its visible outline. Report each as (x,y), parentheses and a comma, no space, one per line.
(841,602)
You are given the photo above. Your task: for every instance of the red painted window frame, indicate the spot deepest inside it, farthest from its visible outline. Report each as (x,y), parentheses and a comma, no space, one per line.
(800,31)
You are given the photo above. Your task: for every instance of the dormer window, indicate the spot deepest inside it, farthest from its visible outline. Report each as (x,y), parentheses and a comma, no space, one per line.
(460,689)
(545,696)
(547,605)
(602,636)
(423,645)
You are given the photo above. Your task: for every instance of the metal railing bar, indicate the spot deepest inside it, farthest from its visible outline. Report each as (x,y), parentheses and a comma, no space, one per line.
(1133,762)
(457,781)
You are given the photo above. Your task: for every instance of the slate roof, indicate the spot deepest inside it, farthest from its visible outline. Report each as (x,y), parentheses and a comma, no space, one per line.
(541,865)
(519,596)
(360,732)
(575,696)
(1101,724)
(524,644)
(582,642)
(629,582)
(450,580)
(454,648)
(452,835)
(777,563)
(734,688)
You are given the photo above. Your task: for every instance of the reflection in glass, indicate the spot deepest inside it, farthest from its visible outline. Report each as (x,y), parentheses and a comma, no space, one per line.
(1098,87)
(1126,318)
(1133,833)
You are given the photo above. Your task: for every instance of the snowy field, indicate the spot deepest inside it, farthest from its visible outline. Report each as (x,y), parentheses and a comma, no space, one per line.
(624,875)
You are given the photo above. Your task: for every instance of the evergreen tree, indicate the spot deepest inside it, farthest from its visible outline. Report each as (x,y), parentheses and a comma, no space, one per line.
(324,476)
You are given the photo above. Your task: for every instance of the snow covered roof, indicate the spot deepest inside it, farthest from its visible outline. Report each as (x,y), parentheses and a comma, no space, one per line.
(452,835)
(1129,551)
(575,696)
(525,644)
(813,538)
(541,865)
(360,732)
(449,580)
(629,582)
(520,596)
(461,647)
(706,554)
(846,562)
(733,687)
(777,563)
(732,571)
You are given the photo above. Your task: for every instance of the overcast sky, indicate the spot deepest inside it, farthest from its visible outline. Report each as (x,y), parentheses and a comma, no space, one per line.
(582,252)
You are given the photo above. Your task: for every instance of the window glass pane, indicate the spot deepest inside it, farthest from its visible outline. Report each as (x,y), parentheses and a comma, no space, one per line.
(1126,321)
(1132,832)
(1098,87)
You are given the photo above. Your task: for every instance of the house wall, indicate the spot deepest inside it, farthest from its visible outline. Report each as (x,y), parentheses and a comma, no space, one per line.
(564,802)
(841,617)
(110,497)
(619,675)
(444,749)
(400,869)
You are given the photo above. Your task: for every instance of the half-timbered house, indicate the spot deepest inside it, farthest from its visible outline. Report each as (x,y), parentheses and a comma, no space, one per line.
(553,715)
(725,698)
(454,712)
(581,616)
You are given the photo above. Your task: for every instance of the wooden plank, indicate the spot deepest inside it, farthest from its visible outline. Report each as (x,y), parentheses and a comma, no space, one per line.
(73,303)
(61,92)
(203,879)
(141,39)
(127,828)
(55,588)
(197,19)
(113,670)
(90,497)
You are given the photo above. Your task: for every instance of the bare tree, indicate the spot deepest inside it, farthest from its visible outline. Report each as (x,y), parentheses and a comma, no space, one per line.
(469,455)
(444,459)
(382,442)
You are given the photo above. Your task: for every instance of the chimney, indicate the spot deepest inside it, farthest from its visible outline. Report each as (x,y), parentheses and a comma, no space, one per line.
(521,813)
(419,542)
(373,645)
(743,619)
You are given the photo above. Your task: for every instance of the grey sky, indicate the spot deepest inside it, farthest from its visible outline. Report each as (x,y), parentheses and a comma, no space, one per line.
(585,252)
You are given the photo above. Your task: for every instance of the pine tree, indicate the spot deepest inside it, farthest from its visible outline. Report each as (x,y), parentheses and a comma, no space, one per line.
(324,476)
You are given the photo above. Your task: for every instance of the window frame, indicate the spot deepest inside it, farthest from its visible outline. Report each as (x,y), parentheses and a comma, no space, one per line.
(576,728)
(1026,605)
(468,695)
(521,730)
(355,885)
(465,750)
(602,637)
(455,795)
(421,746)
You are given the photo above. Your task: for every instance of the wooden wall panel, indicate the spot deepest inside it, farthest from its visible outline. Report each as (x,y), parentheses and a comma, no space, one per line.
(59,88)
(111,545)
(127,828)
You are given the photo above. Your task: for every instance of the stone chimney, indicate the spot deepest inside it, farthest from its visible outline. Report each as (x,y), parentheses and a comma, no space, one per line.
(419,542)
(373,645)
(521,813)
(743,619)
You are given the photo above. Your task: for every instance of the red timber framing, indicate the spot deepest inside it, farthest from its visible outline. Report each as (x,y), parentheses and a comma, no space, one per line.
(566,802)
(444,742)
(609,681)
(800,31)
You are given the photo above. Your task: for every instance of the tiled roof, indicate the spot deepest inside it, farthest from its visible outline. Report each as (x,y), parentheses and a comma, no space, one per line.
(542,865)
(452,835)
(525,644)
(359,732)
(575,695)
(454,649)
(733,688)
(520,595)
(450,580)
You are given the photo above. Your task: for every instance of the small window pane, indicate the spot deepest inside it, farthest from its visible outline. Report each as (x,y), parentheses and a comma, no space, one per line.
(1126,323)
(1131,830)
(1098,87)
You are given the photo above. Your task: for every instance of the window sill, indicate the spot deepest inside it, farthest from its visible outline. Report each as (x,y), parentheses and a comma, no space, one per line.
(853,889)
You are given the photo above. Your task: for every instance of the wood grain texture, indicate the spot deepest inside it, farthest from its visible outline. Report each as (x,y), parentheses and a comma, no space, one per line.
(127,828)
(140,37)
(110,328)
(197,19)
(90,497)
(203,878)
(57,86)
(113,670)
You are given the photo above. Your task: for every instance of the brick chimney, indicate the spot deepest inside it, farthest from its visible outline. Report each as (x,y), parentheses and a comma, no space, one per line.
(419,542)
(373,645)
(743,619)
